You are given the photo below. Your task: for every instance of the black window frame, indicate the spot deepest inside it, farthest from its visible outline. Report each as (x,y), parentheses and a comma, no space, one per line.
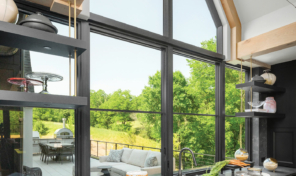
(168,47)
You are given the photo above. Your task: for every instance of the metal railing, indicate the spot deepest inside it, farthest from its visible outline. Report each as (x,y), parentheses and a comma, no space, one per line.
(101,148)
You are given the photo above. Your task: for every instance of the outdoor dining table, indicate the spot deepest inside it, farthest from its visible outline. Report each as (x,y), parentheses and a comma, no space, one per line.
(59,146)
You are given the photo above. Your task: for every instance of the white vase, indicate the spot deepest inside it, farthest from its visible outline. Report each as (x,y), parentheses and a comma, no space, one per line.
(8,11)
(269,77)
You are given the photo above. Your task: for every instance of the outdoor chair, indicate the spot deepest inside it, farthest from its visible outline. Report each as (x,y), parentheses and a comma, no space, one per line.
(32,171)
(65,152)
(49,153)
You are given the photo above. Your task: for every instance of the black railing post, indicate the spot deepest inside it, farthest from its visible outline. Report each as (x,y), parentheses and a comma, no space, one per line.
(97,148)
(115,146)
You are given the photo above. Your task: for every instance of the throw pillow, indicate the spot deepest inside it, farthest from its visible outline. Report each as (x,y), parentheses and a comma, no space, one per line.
(151,161)
(114,155)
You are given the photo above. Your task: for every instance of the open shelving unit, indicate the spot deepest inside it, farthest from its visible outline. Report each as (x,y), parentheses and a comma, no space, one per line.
(259,115)
(23,37)
(26,38)
(260,88)
(25,99)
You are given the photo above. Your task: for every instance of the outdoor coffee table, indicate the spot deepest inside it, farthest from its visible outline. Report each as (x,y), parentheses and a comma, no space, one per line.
(105,169)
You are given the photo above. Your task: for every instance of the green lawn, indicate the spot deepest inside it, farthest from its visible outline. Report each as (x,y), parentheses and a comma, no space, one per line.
(107,135)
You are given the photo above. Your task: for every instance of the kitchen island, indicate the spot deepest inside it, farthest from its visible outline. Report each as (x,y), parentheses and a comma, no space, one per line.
(280,171)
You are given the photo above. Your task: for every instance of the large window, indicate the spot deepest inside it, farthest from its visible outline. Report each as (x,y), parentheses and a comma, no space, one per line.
(194,93)
(193,23)
(234,126)
(124,76)
(145,14)
(125,102)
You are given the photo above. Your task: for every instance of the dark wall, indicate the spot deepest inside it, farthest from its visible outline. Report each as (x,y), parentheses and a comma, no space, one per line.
(282,132)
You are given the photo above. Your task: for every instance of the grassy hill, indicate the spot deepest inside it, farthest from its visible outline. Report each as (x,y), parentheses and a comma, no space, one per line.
(106,135)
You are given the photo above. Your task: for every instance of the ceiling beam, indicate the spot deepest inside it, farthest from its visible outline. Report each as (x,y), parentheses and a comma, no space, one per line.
(235,25)
(278,39)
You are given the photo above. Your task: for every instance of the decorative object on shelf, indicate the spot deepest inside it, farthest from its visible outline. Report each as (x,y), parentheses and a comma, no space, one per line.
(23,82)
(256,104)
(241,154)
(257,78)
(270,105)
(45,77)
(254,171)
(270,164)
(8,11)
(269,77)
(40,22)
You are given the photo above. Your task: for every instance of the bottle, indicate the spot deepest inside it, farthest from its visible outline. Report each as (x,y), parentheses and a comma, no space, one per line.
(270,105)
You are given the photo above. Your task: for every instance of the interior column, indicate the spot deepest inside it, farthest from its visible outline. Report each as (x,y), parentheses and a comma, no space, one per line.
(28,137)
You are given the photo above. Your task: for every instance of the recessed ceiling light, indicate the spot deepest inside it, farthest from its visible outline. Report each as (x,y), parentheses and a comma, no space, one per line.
(47,47)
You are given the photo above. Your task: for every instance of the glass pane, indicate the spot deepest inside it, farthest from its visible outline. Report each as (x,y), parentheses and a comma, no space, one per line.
(145,14)
(193,22)
(234,135)
(30,138)
(124,76)
(233,95)
(194,86)
(17,63)
(234,127)
(118,130)
(198,134)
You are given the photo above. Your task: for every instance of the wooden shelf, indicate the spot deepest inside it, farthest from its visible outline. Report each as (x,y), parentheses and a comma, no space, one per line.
(35,40)
(24,99)
(260,87)
(259,115)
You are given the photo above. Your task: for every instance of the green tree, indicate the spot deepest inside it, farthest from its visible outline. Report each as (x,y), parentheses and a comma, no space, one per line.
(121,100)
(40,127)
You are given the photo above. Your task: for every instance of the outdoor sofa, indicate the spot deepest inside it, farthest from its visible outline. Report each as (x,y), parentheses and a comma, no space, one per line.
(131,160)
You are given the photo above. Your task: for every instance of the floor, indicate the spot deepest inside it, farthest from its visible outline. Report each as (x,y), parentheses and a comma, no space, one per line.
(54,168)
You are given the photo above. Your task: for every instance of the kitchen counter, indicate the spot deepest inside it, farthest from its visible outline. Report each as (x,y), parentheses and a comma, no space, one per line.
(280,171)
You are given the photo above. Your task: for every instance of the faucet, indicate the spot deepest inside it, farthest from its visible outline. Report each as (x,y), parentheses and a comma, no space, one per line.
(180,159)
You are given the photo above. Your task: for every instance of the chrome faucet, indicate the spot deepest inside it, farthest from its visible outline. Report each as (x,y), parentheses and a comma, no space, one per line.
(180,159)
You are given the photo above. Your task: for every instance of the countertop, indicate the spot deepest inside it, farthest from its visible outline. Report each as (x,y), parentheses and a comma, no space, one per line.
(280,171)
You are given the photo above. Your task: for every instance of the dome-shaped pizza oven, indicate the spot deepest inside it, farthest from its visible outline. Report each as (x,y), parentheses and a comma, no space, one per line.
(64,133)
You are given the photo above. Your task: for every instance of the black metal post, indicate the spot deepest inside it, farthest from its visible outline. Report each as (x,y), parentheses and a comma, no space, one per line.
(82,115)
(167,112)
(220,112)
(6,123)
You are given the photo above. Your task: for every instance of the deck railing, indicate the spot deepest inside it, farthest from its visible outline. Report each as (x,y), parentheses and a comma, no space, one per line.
(102,148)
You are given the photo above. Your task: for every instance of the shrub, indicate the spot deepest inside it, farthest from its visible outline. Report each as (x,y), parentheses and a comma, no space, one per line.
(40,127)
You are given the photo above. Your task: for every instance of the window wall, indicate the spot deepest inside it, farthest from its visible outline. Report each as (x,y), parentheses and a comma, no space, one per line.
(125,99)
(193,23)
(194,111)
(145,14)
(234,126)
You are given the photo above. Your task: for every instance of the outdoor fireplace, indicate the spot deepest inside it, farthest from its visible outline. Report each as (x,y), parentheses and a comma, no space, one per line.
(64,132)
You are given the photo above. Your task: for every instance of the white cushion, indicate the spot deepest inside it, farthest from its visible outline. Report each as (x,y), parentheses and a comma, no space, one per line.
(122,169)
(157,154)
(138,157)
(126,154)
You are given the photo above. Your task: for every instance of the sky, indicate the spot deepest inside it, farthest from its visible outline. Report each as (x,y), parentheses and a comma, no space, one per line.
(117,64)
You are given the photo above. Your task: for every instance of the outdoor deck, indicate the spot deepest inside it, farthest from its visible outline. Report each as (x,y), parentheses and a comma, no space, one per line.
(57,169)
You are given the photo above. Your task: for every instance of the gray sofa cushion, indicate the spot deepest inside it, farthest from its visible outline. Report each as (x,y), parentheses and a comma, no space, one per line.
(126,154)
(138,158)
(151,161)
(114,156)
(158,156)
